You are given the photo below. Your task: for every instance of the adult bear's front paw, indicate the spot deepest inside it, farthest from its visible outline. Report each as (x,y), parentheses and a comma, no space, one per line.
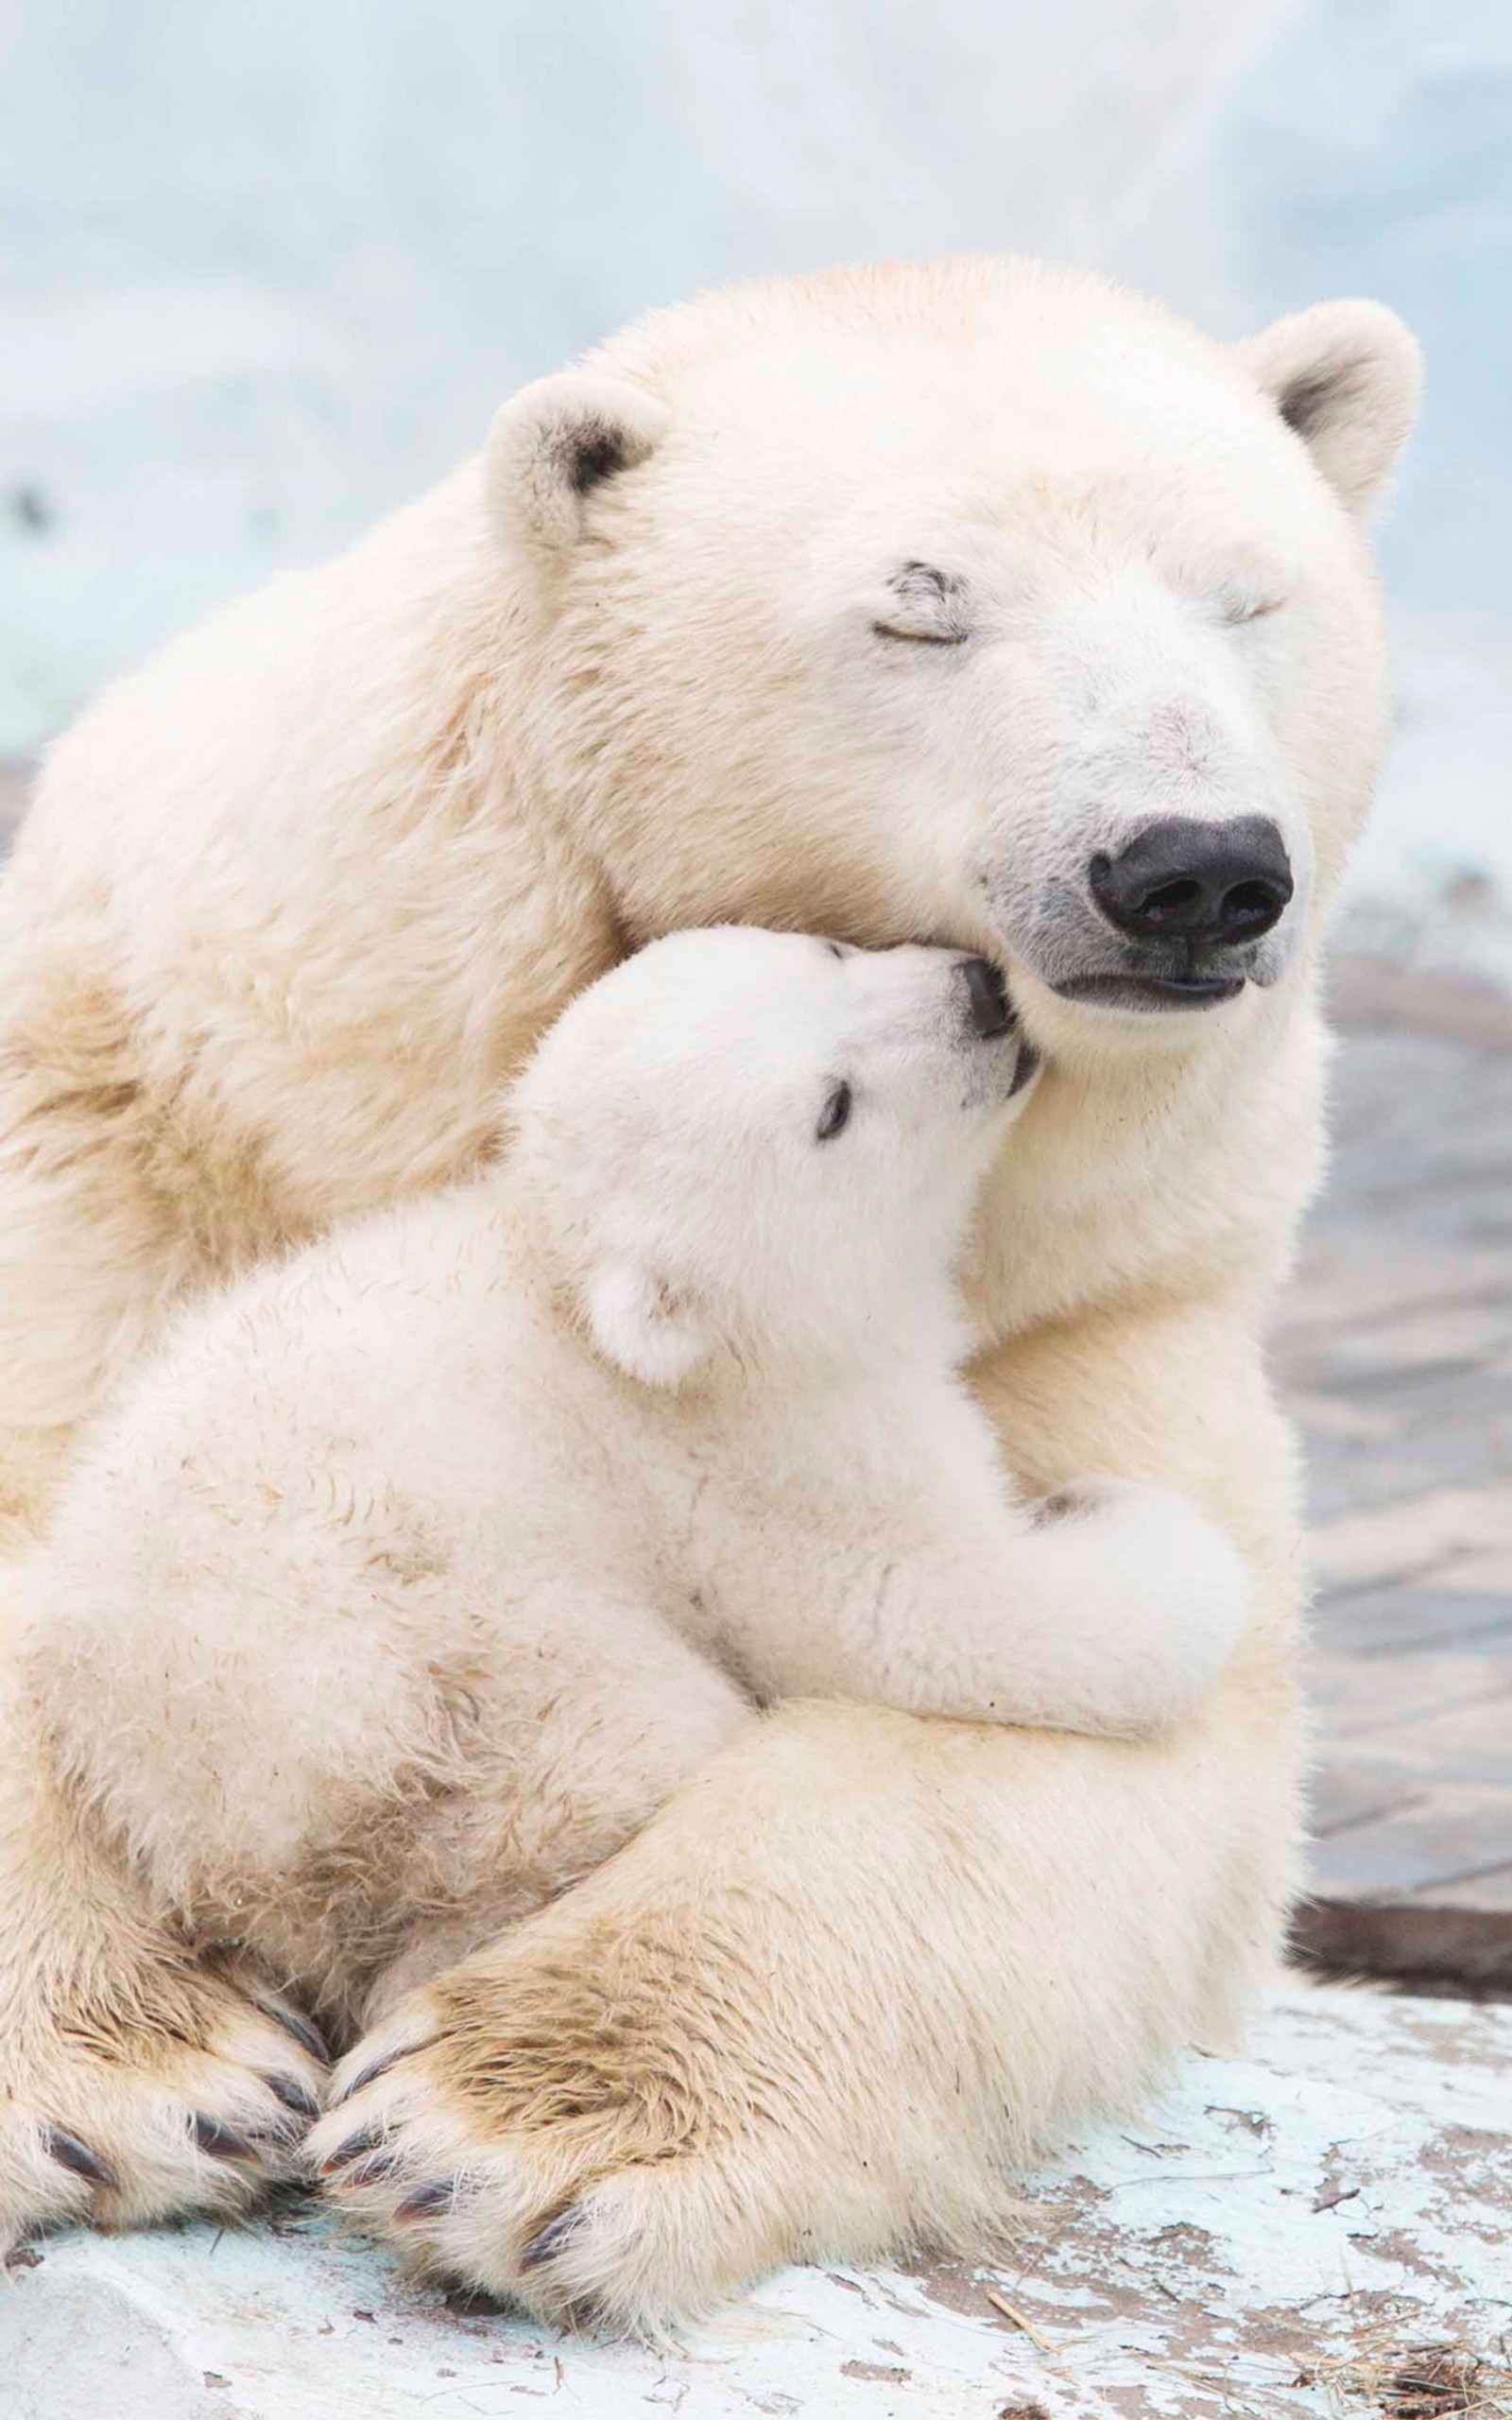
(177,2090)
(746,2039)
(555,2121)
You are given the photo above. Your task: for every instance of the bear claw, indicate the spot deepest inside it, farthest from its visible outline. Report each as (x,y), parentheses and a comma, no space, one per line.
(219,2141)
(428,2199)
(366,2138)
(294,2022)
(296,2096)
(71,2154)
(370,2170)
(554,2236)
(379,2068)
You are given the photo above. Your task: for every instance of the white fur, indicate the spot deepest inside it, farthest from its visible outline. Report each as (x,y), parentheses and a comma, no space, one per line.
(383,1513)
(293,900)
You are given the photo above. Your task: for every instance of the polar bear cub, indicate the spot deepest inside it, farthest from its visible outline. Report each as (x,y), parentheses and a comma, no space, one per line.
(413,1574)
(756,1157)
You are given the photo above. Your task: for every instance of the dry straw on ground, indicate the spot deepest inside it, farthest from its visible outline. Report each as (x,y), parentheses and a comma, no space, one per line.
(1414,2382)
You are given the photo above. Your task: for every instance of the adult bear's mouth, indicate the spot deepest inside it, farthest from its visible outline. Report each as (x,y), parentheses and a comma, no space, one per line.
(1156,993)
(1187,916)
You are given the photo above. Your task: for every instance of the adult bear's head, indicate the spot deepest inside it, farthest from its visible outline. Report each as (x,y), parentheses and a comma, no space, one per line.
(967,603)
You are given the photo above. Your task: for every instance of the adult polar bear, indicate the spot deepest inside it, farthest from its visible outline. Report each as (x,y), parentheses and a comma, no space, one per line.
(957,602)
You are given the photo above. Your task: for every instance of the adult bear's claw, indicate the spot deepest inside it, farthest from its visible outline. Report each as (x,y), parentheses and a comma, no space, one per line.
(296,2096)
(219,2141)
(71,2154)
(366,2138)
(554,2236)
(428,2199)
(305,2032)
(379,2068)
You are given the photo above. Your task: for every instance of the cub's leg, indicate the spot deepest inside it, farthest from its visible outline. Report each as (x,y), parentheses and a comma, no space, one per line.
(220,1769)
(136,2081)
(352,1747)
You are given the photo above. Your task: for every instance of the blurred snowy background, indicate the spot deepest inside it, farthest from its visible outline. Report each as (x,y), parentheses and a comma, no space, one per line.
(266,271)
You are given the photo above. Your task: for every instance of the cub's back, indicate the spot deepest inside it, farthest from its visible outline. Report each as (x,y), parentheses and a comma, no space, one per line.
(377,1367)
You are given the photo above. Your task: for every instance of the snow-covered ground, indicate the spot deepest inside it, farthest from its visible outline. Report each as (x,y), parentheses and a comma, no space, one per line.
(263,273)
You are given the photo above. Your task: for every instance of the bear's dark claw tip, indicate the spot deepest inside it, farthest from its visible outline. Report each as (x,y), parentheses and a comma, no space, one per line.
(306,2034)
(370,2170)
(71,2154)
(219,2141)
(379,2068)
(428,2199)
(366,2138)
(296,2096)
(554,2236)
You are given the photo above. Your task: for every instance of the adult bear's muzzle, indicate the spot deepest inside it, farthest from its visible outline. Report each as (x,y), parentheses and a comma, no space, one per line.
(1189,900)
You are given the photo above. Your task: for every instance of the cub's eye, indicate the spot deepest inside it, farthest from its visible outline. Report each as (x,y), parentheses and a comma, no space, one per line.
(834,1115)
(926,605)
(1242,605)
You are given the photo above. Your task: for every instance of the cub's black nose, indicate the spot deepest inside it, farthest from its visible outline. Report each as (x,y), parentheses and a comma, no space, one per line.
(1213,885)
(986,997)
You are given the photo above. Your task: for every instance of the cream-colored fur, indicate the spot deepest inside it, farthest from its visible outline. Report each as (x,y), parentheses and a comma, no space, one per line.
(410,1577)
(294,899)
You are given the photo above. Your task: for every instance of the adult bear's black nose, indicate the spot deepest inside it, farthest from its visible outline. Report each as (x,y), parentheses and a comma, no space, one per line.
(1209,884)
(987,997)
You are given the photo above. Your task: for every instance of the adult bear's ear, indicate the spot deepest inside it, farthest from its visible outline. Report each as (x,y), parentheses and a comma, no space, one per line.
(1345,376)
(642,1326)
(555,441)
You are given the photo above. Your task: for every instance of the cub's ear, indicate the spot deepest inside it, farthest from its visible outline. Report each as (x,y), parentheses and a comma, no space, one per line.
(1345,376)
(555,441)
(642,1327)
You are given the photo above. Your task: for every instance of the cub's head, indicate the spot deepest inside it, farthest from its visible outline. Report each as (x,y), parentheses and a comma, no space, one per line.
(765,1144)
(967,602)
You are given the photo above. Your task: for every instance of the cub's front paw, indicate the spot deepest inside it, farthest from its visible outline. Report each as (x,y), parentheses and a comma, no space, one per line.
(1158,1595)
(540,2123)
(168,2092)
